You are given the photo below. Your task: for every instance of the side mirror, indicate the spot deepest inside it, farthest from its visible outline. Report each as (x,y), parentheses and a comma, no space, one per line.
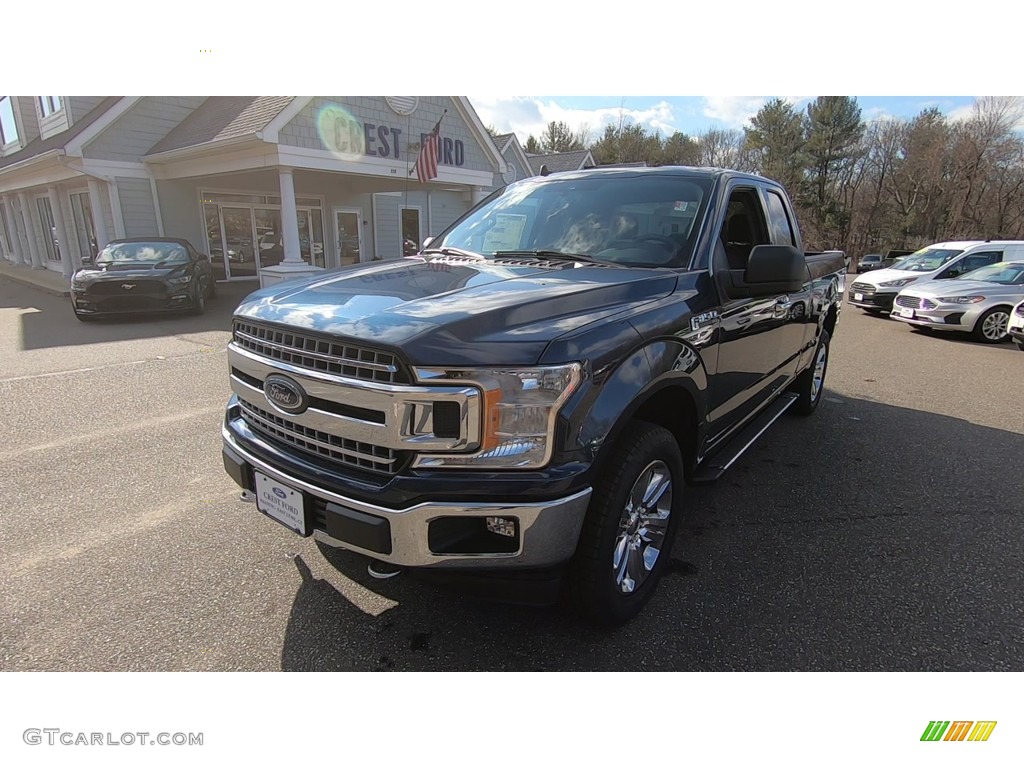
(87,261)
(775,269)
(427,241)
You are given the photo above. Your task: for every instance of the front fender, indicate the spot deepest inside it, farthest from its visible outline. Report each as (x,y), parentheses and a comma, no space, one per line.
(647,371)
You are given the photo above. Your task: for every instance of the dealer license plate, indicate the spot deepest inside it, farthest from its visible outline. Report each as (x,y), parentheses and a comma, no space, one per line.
(280,502)
(858,297)
(905,312)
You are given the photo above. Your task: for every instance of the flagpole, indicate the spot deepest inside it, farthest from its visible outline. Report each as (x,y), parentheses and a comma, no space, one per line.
(437,127)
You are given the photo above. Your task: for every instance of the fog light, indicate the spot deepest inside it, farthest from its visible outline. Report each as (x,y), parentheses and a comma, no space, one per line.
(503,526)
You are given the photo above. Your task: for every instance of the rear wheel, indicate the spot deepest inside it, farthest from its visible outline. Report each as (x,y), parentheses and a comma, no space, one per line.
(630,525)
(810,384)
(991,326)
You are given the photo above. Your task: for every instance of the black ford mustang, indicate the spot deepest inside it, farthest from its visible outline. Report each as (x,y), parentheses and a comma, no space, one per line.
(145,274)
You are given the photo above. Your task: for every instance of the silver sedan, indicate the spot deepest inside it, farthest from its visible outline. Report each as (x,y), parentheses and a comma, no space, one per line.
(978,302)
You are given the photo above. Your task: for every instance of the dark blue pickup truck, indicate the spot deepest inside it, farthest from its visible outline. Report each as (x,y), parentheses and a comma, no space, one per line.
(534,390)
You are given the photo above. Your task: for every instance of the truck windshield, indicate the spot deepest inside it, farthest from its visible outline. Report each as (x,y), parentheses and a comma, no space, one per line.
(640,220)
(926,260)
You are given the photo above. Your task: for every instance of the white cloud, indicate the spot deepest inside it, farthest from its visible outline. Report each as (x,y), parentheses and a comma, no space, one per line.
(736,111)
(525,115)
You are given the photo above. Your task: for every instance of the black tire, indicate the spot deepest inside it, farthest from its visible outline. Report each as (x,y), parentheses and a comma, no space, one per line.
(593,579)
(212,293)
(808,396)
(199,298)
(978,334)
(1020,345)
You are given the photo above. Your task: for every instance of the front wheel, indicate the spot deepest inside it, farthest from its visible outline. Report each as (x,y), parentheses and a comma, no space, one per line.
(628,532)
(199,298)
(810,384)
(991,326)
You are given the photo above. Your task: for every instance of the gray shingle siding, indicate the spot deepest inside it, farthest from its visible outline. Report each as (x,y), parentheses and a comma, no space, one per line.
(28,118)
(79,106)
(146,123)
(302,130)
(137,207)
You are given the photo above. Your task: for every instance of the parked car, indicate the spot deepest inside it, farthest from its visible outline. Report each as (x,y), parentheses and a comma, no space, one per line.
(868,262)
(979,302)
(534,399)
(875,292)
(146,274)
(892,258)
(1015,326)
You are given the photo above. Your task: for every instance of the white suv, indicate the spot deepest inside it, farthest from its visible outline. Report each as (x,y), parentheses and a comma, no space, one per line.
(875,291)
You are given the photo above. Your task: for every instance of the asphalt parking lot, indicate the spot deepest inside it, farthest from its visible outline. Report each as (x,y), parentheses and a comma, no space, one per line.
(884,533)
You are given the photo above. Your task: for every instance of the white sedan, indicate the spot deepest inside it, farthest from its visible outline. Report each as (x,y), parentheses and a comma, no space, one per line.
(979,302)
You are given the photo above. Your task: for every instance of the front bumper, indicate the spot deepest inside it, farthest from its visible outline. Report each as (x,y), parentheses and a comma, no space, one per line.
(547,531)
(1016,327)
(87,304)
(947,318)
(875,301)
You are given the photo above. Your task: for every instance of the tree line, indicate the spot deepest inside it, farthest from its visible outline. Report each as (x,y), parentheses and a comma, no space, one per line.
(857,185)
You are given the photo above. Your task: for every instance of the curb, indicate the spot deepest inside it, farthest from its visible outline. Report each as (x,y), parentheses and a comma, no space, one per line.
(32,284)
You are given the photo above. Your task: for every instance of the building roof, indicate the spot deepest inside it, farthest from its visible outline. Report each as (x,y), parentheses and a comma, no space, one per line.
(560,161)
(222,117)
(501,140)
(41,146)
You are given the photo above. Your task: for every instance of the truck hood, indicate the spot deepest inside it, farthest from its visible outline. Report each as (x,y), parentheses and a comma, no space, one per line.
(458,313)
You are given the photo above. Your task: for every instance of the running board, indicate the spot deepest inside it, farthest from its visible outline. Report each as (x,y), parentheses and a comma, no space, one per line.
(715,466)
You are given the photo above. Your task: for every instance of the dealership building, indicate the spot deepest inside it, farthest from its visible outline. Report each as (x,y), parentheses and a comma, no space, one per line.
(260,184)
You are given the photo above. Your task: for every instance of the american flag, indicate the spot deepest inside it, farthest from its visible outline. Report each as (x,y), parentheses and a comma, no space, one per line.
(426,163)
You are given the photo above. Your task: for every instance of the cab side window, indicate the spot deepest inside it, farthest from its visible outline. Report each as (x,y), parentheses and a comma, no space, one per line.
(782,230)
(743,228)
(971,263)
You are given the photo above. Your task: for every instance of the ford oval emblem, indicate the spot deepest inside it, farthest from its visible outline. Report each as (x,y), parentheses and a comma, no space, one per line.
(280,494)
(285,394)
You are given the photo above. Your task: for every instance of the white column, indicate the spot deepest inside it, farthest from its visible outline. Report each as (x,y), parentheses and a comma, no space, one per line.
(292,266)
(69,259)
(12,233)
(99,221)
(13,218)
(30,232)
(289,218)
(478,194)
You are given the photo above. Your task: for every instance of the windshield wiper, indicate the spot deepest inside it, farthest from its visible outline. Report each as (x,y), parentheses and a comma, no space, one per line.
(556,256)
(447,251)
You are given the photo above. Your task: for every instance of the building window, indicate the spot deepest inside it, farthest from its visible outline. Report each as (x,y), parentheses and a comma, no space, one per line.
(49,105)
(8,126)
(410,231)
(84,229)
(49,228)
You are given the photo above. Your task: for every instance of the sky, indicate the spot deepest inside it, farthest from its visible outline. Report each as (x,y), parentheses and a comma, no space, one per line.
(524,115)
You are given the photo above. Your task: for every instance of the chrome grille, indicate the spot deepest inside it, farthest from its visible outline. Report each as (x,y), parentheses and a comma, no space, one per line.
(914,302)
(862,288)
(317,354)
(350,452)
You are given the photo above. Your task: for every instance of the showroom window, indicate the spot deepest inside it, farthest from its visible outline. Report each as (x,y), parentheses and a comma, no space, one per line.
(46,220)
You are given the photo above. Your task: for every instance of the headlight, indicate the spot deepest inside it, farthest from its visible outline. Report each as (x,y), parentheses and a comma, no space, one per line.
(77,282)
(897,283)
(961,299)
(183,280)
(1019,311)
(519,410)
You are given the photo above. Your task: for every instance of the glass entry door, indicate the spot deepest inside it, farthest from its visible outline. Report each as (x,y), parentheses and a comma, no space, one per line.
(239,242)
(311,236)
(347,235)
